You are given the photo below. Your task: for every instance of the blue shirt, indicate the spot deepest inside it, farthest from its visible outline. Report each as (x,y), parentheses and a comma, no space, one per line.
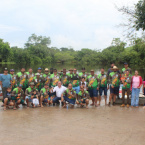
(5,79)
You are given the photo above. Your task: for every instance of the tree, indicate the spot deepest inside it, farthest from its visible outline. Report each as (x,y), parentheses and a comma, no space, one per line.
(135,16)
(5,51)
(35,40)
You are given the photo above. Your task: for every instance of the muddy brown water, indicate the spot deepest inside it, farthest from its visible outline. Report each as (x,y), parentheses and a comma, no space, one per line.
(79,126)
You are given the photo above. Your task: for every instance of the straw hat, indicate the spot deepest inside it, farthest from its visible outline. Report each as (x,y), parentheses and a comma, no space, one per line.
(114,67)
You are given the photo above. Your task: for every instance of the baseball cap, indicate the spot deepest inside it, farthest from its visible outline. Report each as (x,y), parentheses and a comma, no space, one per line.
(46,69)
(6,69)
(39,68)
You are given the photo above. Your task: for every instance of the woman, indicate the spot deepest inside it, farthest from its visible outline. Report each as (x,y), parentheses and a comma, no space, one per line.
(136,84)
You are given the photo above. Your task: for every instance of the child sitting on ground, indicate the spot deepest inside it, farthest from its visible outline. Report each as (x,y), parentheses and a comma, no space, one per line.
(35,99)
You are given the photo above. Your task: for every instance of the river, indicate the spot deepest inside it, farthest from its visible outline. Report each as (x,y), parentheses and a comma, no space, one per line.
(59,67)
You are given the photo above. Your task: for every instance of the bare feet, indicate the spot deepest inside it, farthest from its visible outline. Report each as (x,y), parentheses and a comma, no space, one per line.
(92,104)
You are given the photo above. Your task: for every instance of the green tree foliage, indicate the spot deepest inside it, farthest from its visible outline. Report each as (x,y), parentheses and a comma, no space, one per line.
(36,52)
(135,16)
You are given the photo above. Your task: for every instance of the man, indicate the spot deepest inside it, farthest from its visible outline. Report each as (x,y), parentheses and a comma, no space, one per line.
(83,97)
(8,99)
(59,89)
(70,73)
(110,69)
(103,81)
(44,93)
(65,79)
(38,82)
(14,80)
(31,75)
(22,78)
(18,96)
(51,71)
(40,72)
(93,87)
(29,92)
(54,78)
(83,74)
(5,82)
(46,77)
(126,88)
(126,68)
(114,79)
(75,81)
(70,96)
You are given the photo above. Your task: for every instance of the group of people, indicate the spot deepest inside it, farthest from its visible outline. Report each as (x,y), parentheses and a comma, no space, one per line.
(53,87)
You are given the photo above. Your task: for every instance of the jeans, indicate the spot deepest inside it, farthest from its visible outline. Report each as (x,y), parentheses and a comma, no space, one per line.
(56,99)
(135,97)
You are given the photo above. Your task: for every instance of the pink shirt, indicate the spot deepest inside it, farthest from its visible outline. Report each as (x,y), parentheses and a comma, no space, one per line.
(144,83)
(135,82)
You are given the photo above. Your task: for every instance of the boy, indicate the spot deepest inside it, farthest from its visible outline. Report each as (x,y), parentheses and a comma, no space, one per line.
(8,101)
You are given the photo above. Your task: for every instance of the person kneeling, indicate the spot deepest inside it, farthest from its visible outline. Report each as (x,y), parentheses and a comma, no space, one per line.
(18,96)
(45,95)
(83,97)
(35,99)
(7,100)
(69,96)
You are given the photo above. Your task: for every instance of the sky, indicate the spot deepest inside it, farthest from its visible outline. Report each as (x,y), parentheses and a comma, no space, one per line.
(69,23)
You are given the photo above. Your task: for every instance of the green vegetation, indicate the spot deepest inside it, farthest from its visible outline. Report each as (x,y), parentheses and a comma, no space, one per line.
(37,50)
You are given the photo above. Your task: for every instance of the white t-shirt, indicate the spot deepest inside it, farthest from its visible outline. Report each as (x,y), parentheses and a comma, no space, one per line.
(59,91)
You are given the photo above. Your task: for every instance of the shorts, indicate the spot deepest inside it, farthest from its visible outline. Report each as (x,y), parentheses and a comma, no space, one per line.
(84,101)
(77,89)
(13,98)
(93,92)
(45,100)
(114,90)
(101,89)
(21,101)
(71,101)
(29,99)
(52,94)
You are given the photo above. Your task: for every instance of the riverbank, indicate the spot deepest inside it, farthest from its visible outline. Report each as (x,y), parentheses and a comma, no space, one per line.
(58,126)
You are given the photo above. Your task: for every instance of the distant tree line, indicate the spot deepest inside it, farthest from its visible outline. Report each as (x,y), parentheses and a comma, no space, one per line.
(37,50)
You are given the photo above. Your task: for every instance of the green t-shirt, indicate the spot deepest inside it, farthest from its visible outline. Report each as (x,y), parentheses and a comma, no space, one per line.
(115,79)
(22,79)
(103,80)
(92,82)
(127,83)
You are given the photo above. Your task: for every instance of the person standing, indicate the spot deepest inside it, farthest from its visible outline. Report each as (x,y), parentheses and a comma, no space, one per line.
(22,78)
(46,77)
(31,75)
(65,79)
(103,81)
(5,82)
(136,84)
(83,74)
(114,79)
(126,68)
(126,88)
(75,81)
(93,87)
(14,80)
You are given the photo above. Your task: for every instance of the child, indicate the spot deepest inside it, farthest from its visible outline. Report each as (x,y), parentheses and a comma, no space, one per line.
(35,99)
(7,100)
(83,83)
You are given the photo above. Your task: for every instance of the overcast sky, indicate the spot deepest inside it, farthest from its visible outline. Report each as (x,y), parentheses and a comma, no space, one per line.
(76,23)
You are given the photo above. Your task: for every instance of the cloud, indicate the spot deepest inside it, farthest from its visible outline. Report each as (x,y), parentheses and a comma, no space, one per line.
(77,23)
